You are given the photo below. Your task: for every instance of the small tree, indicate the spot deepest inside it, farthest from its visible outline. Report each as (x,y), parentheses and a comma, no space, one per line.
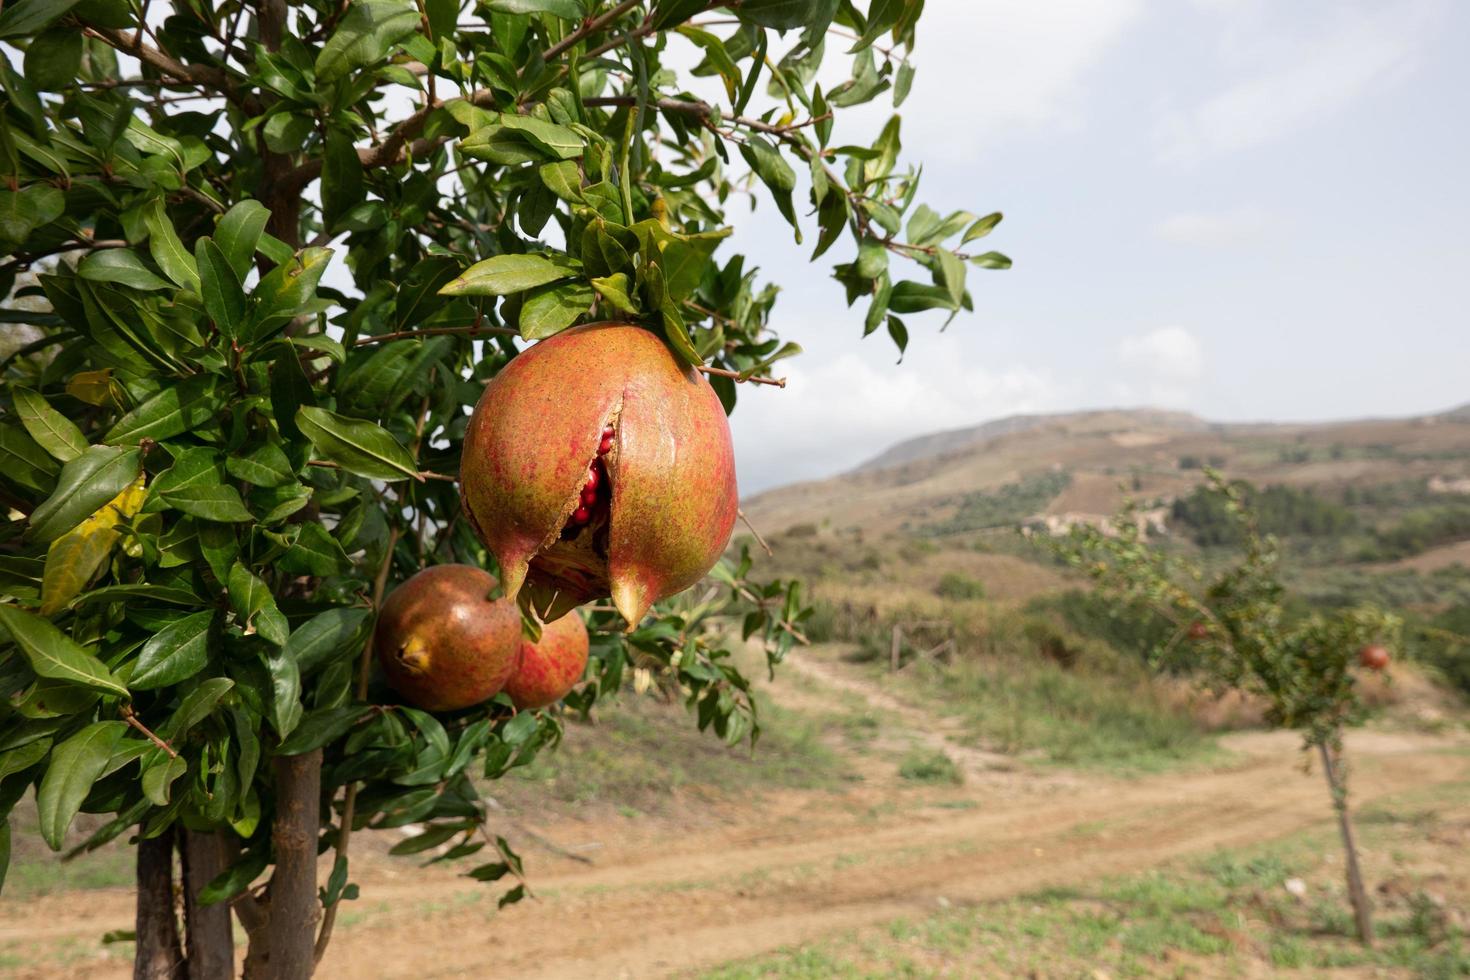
(217,462)
(1233,631)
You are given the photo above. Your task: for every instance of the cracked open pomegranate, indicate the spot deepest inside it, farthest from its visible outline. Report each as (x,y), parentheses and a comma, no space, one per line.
(444,643)
(598,464)
(551,666)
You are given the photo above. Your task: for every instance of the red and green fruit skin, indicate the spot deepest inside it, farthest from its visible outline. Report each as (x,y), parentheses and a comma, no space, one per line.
(550,667)
(1374,657)
(662,492)
(443,642)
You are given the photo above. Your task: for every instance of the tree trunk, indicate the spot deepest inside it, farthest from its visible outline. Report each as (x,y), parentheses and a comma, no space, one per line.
(293,909)
(157,930)
(1337,784)
(211,941)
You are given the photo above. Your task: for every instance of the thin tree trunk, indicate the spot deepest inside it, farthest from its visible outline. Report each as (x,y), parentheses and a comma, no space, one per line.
(1362,913)
(294,907)
(210,939)
(158,956)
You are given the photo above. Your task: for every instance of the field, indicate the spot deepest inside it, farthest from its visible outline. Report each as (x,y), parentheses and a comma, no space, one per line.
(1023,796)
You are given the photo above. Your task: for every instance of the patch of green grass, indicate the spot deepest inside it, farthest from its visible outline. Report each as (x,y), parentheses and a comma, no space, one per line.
(929,766)
(1229,913)
(640,752)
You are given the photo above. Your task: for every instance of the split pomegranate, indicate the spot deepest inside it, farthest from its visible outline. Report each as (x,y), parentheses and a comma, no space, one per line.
(550,667)
(597,464)
(443,642)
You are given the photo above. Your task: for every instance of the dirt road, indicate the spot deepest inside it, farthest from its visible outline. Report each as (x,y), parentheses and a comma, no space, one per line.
(660,900)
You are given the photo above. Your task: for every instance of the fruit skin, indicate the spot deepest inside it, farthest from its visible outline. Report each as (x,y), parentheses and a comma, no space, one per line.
(668,502)
(444,644)
(550,667)
(1198,631)
(1374,656)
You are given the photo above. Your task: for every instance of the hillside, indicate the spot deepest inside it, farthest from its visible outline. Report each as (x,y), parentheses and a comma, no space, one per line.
(1096,457)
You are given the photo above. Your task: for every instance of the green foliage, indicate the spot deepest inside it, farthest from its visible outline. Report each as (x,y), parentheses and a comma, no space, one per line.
(1005,507)
(1237,630)
(1419,530)
(953,585)
(1279,510)
(934,766)
(216,449)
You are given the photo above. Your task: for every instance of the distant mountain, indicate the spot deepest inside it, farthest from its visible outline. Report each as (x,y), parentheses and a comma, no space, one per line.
(923,483)
(958,440)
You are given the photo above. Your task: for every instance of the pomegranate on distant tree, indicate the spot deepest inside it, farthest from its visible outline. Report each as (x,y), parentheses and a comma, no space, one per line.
(1198,631)
(551,666)
(598,464)
(1374,656)
(444,642)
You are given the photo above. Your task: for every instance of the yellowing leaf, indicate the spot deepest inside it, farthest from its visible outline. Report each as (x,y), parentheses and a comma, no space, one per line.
(94,388)
(76,557)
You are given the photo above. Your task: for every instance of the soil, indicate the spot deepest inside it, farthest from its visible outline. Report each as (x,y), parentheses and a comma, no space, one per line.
(668,896)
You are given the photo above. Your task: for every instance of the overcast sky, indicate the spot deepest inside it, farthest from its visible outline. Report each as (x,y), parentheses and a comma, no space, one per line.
(1243,208)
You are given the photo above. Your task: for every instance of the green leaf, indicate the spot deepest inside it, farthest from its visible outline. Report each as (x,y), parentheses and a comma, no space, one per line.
(194,708)
(286,289)
(238,232)
(951,274)
(342,185)
(265,466)
(550,309)
(781,15)
(500,275)
(903,81)
(558,141)
(160,774)
(85,484)
(236,878)
(314,552)
(991,260)
(255,606)
(19,758)
(51,430)
(365,36)
(320,727)
(24,210)
(30,16)
(75,765)
(166,249)
(773,170)
(899,333)
(285,675)
(179,408)
(357,446)
(55,655)
(219,288)
(565,9)
(981,227)
(615,290)
(175,653)
(913,297)
(23,461)
(718,57)
(327,636)
(563,179)
(122,266)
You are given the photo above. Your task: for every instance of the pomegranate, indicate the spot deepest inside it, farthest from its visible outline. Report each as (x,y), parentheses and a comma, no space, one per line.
(1198,631)
(444,643)
(1374,656)
(550,667)
(598,464)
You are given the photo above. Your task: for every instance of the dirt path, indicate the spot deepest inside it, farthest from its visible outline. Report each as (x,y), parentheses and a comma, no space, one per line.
(802,864)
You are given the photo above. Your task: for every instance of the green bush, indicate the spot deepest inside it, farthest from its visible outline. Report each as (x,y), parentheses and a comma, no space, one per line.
(930,767)
(959,587)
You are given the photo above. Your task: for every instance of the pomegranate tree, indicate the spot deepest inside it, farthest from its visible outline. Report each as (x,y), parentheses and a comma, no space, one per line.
(599,464)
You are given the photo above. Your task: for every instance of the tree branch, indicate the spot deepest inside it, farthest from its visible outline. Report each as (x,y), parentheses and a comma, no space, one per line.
(589,28)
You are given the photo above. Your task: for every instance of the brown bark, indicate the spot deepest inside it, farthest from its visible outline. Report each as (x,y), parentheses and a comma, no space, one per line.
(1336,784)
(158,956)
(294,908)
(210,937)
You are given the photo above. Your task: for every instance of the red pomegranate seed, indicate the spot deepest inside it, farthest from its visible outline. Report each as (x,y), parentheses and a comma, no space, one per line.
(607,432)
(589,496)
(592,479)
(581,515)
(605,445)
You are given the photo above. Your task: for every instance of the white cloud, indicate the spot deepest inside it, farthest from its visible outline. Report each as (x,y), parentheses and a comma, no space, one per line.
(1299,81)
(1162,367)
(1236,226)
(835,414)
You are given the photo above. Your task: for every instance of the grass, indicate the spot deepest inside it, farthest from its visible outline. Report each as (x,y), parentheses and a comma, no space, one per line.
(924,766)
(642,752)
(1226,914)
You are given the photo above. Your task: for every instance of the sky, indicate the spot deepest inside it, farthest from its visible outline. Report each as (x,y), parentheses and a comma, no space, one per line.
(1246,209)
